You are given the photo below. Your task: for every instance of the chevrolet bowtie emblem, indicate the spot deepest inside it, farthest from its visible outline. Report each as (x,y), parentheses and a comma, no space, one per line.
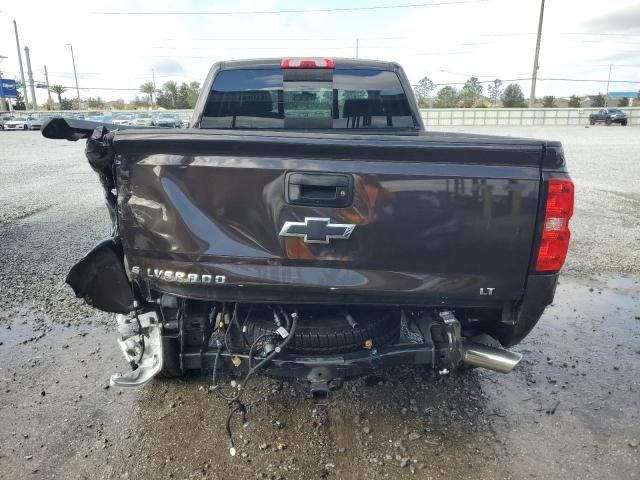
(317,230)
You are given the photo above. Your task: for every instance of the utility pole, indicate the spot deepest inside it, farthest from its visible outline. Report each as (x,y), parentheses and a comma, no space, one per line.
(46,77)
(153,76)
(3,105)
(534,75)
(357,41)
(34,102)
(24,84)
(606,98)
(75,75)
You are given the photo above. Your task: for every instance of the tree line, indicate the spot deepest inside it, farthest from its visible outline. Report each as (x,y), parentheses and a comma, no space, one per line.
(472,95)
(171,96)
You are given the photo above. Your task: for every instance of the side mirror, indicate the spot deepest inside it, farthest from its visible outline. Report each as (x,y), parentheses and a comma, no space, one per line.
(59,128)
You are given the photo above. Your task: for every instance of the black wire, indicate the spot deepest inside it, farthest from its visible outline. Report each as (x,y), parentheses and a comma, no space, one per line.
(240,407)
(213,317)
(228,329)
(141,338)
(286,317)
(270,356)
(209,328)
(215,387)
(234,402)
(182,308)
(276,318)
(244,322)
(164,321)
(255,343)
(276,351)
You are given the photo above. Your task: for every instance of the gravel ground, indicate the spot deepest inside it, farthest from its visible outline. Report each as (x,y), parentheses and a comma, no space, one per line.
(571,410)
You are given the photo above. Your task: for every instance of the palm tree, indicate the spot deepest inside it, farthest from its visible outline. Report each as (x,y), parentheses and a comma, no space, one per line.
(148,88)
(171,87)
(58,90)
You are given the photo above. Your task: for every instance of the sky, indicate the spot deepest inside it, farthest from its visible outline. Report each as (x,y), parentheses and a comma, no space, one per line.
(117,44)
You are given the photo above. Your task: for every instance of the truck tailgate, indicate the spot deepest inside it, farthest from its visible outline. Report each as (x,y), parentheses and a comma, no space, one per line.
(436,220)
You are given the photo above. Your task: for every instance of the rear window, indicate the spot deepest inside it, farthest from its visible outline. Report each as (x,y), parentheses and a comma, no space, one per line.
(300,99)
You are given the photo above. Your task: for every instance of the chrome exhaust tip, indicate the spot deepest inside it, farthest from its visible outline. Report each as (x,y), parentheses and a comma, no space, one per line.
(493,358)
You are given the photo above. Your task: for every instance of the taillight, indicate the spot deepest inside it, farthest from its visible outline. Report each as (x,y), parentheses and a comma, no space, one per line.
(555,234)
(307,63)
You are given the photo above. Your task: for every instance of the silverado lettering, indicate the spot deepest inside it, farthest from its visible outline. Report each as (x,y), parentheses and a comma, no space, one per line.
(171,276)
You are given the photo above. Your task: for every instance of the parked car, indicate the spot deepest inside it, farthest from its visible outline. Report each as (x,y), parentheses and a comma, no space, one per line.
(34,122)
(170,120)
(3,119)
(17,123)
(143,120)
(308,227)
(608,116)
(101,117)
(123,119)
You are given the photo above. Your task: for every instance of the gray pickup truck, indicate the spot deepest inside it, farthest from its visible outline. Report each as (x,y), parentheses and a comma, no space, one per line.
(307,226)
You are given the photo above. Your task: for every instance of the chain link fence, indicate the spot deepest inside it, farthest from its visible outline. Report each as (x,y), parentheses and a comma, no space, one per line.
(515,116)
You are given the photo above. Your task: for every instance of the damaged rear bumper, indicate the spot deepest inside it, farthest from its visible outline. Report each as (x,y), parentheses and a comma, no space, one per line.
(141,344)
(319,372)
(444,351)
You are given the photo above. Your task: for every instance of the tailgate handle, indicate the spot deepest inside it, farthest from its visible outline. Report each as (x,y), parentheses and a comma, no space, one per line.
(319,189)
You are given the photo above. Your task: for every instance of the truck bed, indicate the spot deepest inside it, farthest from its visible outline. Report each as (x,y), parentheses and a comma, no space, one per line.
(438,219)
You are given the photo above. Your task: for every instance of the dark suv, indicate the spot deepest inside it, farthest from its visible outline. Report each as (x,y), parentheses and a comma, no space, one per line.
(608,116)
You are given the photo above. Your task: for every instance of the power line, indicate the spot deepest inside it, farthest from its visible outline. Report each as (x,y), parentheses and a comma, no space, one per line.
(159,47)
(283,47)
(417,54)
(350,39)
(586,80)
(286,39)
(306,10)
(98,76)
(526,79)
(462,74)
(603,34)
(105,88)
(588,34)
(588,66)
